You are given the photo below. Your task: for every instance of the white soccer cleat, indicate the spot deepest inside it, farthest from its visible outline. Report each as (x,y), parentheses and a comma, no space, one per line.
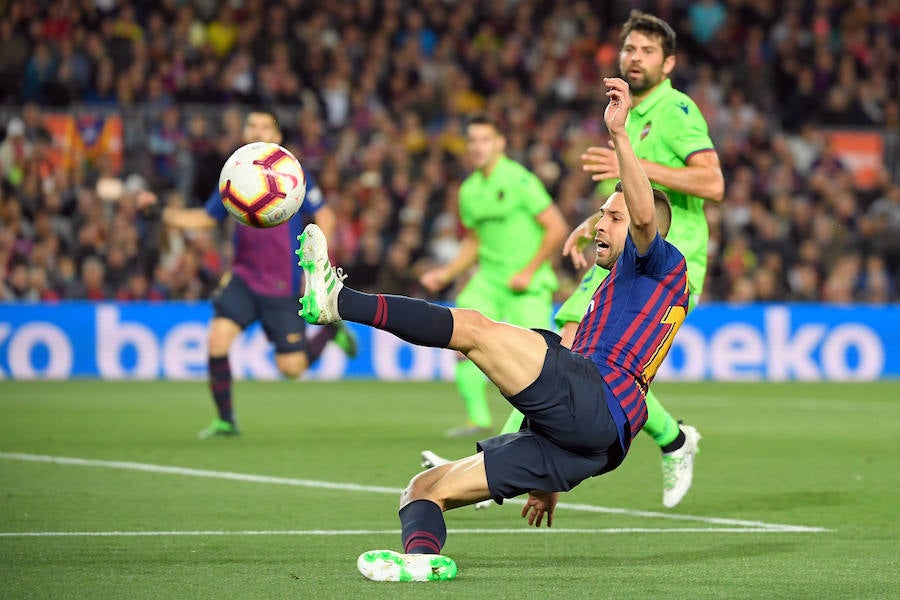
(323,282)
(387,565)
(678,468)
(431,460)
(483,504)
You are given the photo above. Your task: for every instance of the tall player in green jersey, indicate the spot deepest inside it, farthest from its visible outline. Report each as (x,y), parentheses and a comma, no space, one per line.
(513,230)
(670,136)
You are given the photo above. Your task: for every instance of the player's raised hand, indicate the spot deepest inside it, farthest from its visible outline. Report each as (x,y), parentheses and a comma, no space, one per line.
(619,104)
(601,162)
(540,504)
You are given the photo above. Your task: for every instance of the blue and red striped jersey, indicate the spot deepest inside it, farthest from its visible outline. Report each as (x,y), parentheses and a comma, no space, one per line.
(264,258)
(630,324)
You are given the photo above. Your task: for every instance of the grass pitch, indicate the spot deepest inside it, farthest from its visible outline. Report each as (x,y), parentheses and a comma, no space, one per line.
(105,492)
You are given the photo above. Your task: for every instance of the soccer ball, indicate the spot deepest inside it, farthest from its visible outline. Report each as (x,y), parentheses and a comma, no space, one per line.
(262,184)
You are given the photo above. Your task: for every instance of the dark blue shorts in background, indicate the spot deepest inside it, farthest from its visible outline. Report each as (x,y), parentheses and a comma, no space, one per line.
(283,326)
(568,434)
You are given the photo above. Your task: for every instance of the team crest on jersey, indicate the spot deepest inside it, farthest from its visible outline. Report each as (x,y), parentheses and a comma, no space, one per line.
(500,195)
(646,130)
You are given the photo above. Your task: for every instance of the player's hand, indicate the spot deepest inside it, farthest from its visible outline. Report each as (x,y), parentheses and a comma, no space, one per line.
(577,241)
(600,162)
(434,280)
(520,281)
(540,504)
(146,199)
(619,104)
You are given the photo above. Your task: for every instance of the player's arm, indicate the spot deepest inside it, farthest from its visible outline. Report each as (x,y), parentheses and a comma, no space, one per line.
(326,220)
(180,218)
(579,239)
(635,184)
(554,224)
(437,279)
(702,176)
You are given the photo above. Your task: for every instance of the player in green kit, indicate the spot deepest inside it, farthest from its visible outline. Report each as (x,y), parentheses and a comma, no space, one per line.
(670,136)
(513,229)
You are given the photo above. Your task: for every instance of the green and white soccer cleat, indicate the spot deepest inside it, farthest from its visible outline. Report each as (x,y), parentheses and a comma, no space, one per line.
(323,283)
(387,565)
(678,468)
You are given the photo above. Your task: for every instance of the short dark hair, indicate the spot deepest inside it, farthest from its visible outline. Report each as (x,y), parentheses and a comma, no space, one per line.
(651,26)
(663,209)
(484,119)
(264,110)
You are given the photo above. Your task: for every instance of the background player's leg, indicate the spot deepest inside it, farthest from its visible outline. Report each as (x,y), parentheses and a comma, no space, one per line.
(222,332)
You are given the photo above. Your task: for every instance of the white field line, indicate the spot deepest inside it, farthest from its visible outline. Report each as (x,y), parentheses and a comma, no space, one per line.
(134,466)
(393,532)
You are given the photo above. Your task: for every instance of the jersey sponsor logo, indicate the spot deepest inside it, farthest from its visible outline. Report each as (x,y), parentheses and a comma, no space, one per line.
(646,130)
(683,106)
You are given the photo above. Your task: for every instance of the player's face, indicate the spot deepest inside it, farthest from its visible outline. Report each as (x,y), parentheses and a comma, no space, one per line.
(261,127)
(484,144)
(641,62)
(611,230)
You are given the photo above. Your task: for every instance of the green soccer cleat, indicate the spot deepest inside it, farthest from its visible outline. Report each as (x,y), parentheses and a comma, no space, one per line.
(318,305)
(346,340)
(387,565)
(219,428)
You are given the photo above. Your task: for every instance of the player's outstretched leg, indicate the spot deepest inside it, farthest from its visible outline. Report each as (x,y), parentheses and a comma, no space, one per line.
(388,565)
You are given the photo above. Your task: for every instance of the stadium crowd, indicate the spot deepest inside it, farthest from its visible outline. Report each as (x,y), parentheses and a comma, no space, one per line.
(373,96)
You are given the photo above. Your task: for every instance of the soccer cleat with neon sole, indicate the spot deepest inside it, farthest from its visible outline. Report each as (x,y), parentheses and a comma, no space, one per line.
(678,468)
(387,565)
(219,428)
(318,305)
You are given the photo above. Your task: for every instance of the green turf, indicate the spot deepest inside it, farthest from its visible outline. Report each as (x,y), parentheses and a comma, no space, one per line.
(810,455)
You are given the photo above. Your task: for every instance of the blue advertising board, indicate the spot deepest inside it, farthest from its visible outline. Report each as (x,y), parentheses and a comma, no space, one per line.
(771,342)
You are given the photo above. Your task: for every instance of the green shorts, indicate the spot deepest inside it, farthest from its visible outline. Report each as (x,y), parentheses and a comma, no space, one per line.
(573,309)
(527,309)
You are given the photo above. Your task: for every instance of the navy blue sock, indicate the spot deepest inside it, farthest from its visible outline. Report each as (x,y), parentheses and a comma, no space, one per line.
(415,321)
(316,344)
(423,527)
(220,386)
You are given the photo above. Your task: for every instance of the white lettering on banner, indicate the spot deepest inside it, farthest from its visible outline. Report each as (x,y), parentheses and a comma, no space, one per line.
(867,345)
(331,366)
(386,349)
(184,353)
(113,337)
(791,354)
(736,353)
(741,351)
(250,356)
(60,356)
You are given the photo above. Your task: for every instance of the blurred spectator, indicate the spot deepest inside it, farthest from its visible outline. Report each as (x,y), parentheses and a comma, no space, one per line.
(374,95)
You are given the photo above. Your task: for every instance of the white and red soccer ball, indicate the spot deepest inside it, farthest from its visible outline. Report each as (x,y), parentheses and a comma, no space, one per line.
(262,184)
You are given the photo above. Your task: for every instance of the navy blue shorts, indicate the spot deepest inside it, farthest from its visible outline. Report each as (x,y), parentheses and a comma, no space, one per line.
(568,434)
(234,300)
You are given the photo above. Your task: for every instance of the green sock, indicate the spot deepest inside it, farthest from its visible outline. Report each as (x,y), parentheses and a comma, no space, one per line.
(472,386)
(513,423)
(660,424)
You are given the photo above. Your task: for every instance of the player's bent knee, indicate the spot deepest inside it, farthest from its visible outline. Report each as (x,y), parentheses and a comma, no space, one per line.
(469,325)
(292,365)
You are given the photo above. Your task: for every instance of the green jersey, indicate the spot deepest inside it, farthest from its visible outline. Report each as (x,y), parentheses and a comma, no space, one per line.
(501,209)
(668,128)
(665,128)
